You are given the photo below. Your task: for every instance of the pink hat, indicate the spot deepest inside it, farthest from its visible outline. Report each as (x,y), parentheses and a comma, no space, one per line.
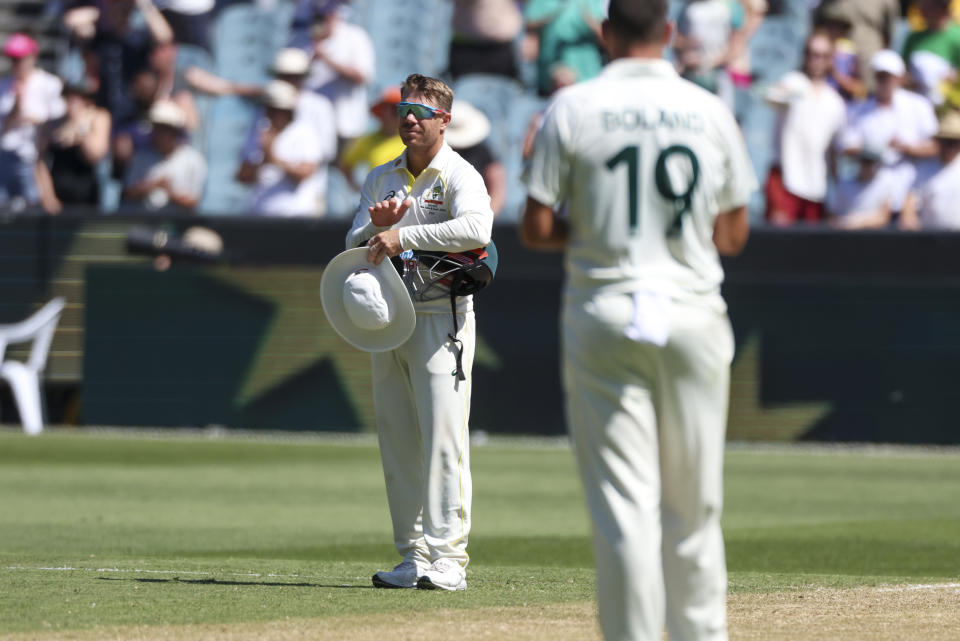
(20,45)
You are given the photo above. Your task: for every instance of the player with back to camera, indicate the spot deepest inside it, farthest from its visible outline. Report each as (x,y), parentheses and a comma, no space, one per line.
(428,198)
(655,177)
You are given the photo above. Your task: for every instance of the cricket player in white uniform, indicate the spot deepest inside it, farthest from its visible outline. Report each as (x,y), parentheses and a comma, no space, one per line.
(653,175)
(429,198)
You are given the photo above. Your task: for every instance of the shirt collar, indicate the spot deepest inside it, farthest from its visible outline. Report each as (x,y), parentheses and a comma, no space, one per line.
(439,160)
(634,67)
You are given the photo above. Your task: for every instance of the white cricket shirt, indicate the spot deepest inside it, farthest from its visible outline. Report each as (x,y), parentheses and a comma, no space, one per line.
(814,117)
(645,161)
(450,211)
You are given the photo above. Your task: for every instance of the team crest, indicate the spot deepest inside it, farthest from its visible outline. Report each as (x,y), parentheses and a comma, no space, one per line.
(433,199)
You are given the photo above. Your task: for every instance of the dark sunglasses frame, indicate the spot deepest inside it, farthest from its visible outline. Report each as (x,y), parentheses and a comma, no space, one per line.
(419,110)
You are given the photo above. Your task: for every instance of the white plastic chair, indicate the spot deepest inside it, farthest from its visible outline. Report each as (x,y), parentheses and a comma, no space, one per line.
(24,378)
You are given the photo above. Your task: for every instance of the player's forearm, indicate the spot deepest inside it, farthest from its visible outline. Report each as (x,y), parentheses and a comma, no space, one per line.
(468,231)
(362,232)
(731,230)
(542,229)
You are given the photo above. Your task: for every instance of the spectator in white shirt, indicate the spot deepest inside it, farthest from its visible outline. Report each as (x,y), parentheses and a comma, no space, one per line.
(29,98)
(292,65)
(284,164)
(811,115)
(862,201)
(900,122)
(934,203)
(342,67)
(169,175)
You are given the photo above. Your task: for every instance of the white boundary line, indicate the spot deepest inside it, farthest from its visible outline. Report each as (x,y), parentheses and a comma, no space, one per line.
(922,586)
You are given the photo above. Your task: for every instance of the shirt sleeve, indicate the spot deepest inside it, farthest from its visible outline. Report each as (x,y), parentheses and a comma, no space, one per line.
(365,54)
(363,228)
(471,225)
(197,174)
(740,178)
(548,169)
(927,124)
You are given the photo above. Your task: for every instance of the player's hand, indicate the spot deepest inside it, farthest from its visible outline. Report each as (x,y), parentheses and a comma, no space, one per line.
(383,245)
(387,213)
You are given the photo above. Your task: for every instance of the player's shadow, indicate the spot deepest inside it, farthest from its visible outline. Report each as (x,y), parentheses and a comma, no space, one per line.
(271,584)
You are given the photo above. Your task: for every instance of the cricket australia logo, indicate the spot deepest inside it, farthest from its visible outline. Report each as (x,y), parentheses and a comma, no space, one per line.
(433,199)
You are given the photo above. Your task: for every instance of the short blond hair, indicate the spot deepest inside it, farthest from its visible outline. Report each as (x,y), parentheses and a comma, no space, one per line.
(436,90)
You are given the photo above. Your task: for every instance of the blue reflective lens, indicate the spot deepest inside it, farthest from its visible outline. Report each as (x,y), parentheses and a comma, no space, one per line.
(419,110)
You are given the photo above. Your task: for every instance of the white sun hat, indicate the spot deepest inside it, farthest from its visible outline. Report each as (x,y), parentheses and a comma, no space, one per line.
(280,94)
(368,305)
(291,61)
(167,112)
(468,126)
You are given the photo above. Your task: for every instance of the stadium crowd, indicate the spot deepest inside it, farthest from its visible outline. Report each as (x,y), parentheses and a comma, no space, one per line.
(866,133)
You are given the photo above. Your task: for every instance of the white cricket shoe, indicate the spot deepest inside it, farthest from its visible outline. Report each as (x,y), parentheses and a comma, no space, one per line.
(444,574)
(404,575)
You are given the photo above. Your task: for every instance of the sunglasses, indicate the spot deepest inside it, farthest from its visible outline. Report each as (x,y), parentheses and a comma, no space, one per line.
(419,110)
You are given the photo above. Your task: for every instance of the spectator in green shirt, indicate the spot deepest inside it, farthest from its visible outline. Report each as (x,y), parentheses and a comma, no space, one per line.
(564,37)
(933,54)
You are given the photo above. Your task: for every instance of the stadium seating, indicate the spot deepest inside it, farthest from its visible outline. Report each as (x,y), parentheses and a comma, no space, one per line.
(510,110)
(24,377)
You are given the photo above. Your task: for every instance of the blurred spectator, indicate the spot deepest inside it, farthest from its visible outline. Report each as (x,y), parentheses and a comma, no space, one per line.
(934,203)
(834,20)
(711,34)
(68,174)
(933,54)
(484,36)
(305,14)
(133,133)
(811,115)
(29,98)
(170,174)
(915,18)
(873,26)
(285,164)
(377,147)
(564,38)
(899,122)
(740,66)
(171,84)
(864,200)
(467,133)
(292,66)
(122,40)
(342,67)
(190,20)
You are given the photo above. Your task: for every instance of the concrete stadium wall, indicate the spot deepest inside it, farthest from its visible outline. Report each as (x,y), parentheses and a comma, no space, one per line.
(842,337)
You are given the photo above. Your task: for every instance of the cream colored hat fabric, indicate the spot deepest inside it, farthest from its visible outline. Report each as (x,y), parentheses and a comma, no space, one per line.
(949,128)
(167,112)
(281,95)
(468,126)
(368,305)
(291,61)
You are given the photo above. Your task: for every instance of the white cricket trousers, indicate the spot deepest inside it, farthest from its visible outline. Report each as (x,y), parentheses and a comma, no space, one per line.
(422,414)
(648,425)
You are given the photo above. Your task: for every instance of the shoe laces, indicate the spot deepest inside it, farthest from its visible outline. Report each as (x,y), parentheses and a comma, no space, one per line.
(406,564)
(446,565)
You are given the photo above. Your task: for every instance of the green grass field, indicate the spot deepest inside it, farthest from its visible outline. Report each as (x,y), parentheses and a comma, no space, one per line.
(114,530)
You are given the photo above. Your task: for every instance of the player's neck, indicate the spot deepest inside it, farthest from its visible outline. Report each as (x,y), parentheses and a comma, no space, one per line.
(419,159)
(648,51)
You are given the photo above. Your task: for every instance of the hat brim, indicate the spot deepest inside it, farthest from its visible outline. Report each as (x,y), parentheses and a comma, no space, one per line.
(331,297)
(467,133)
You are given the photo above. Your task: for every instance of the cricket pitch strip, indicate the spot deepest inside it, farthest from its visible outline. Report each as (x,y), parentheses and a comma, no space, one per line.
(887,613)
